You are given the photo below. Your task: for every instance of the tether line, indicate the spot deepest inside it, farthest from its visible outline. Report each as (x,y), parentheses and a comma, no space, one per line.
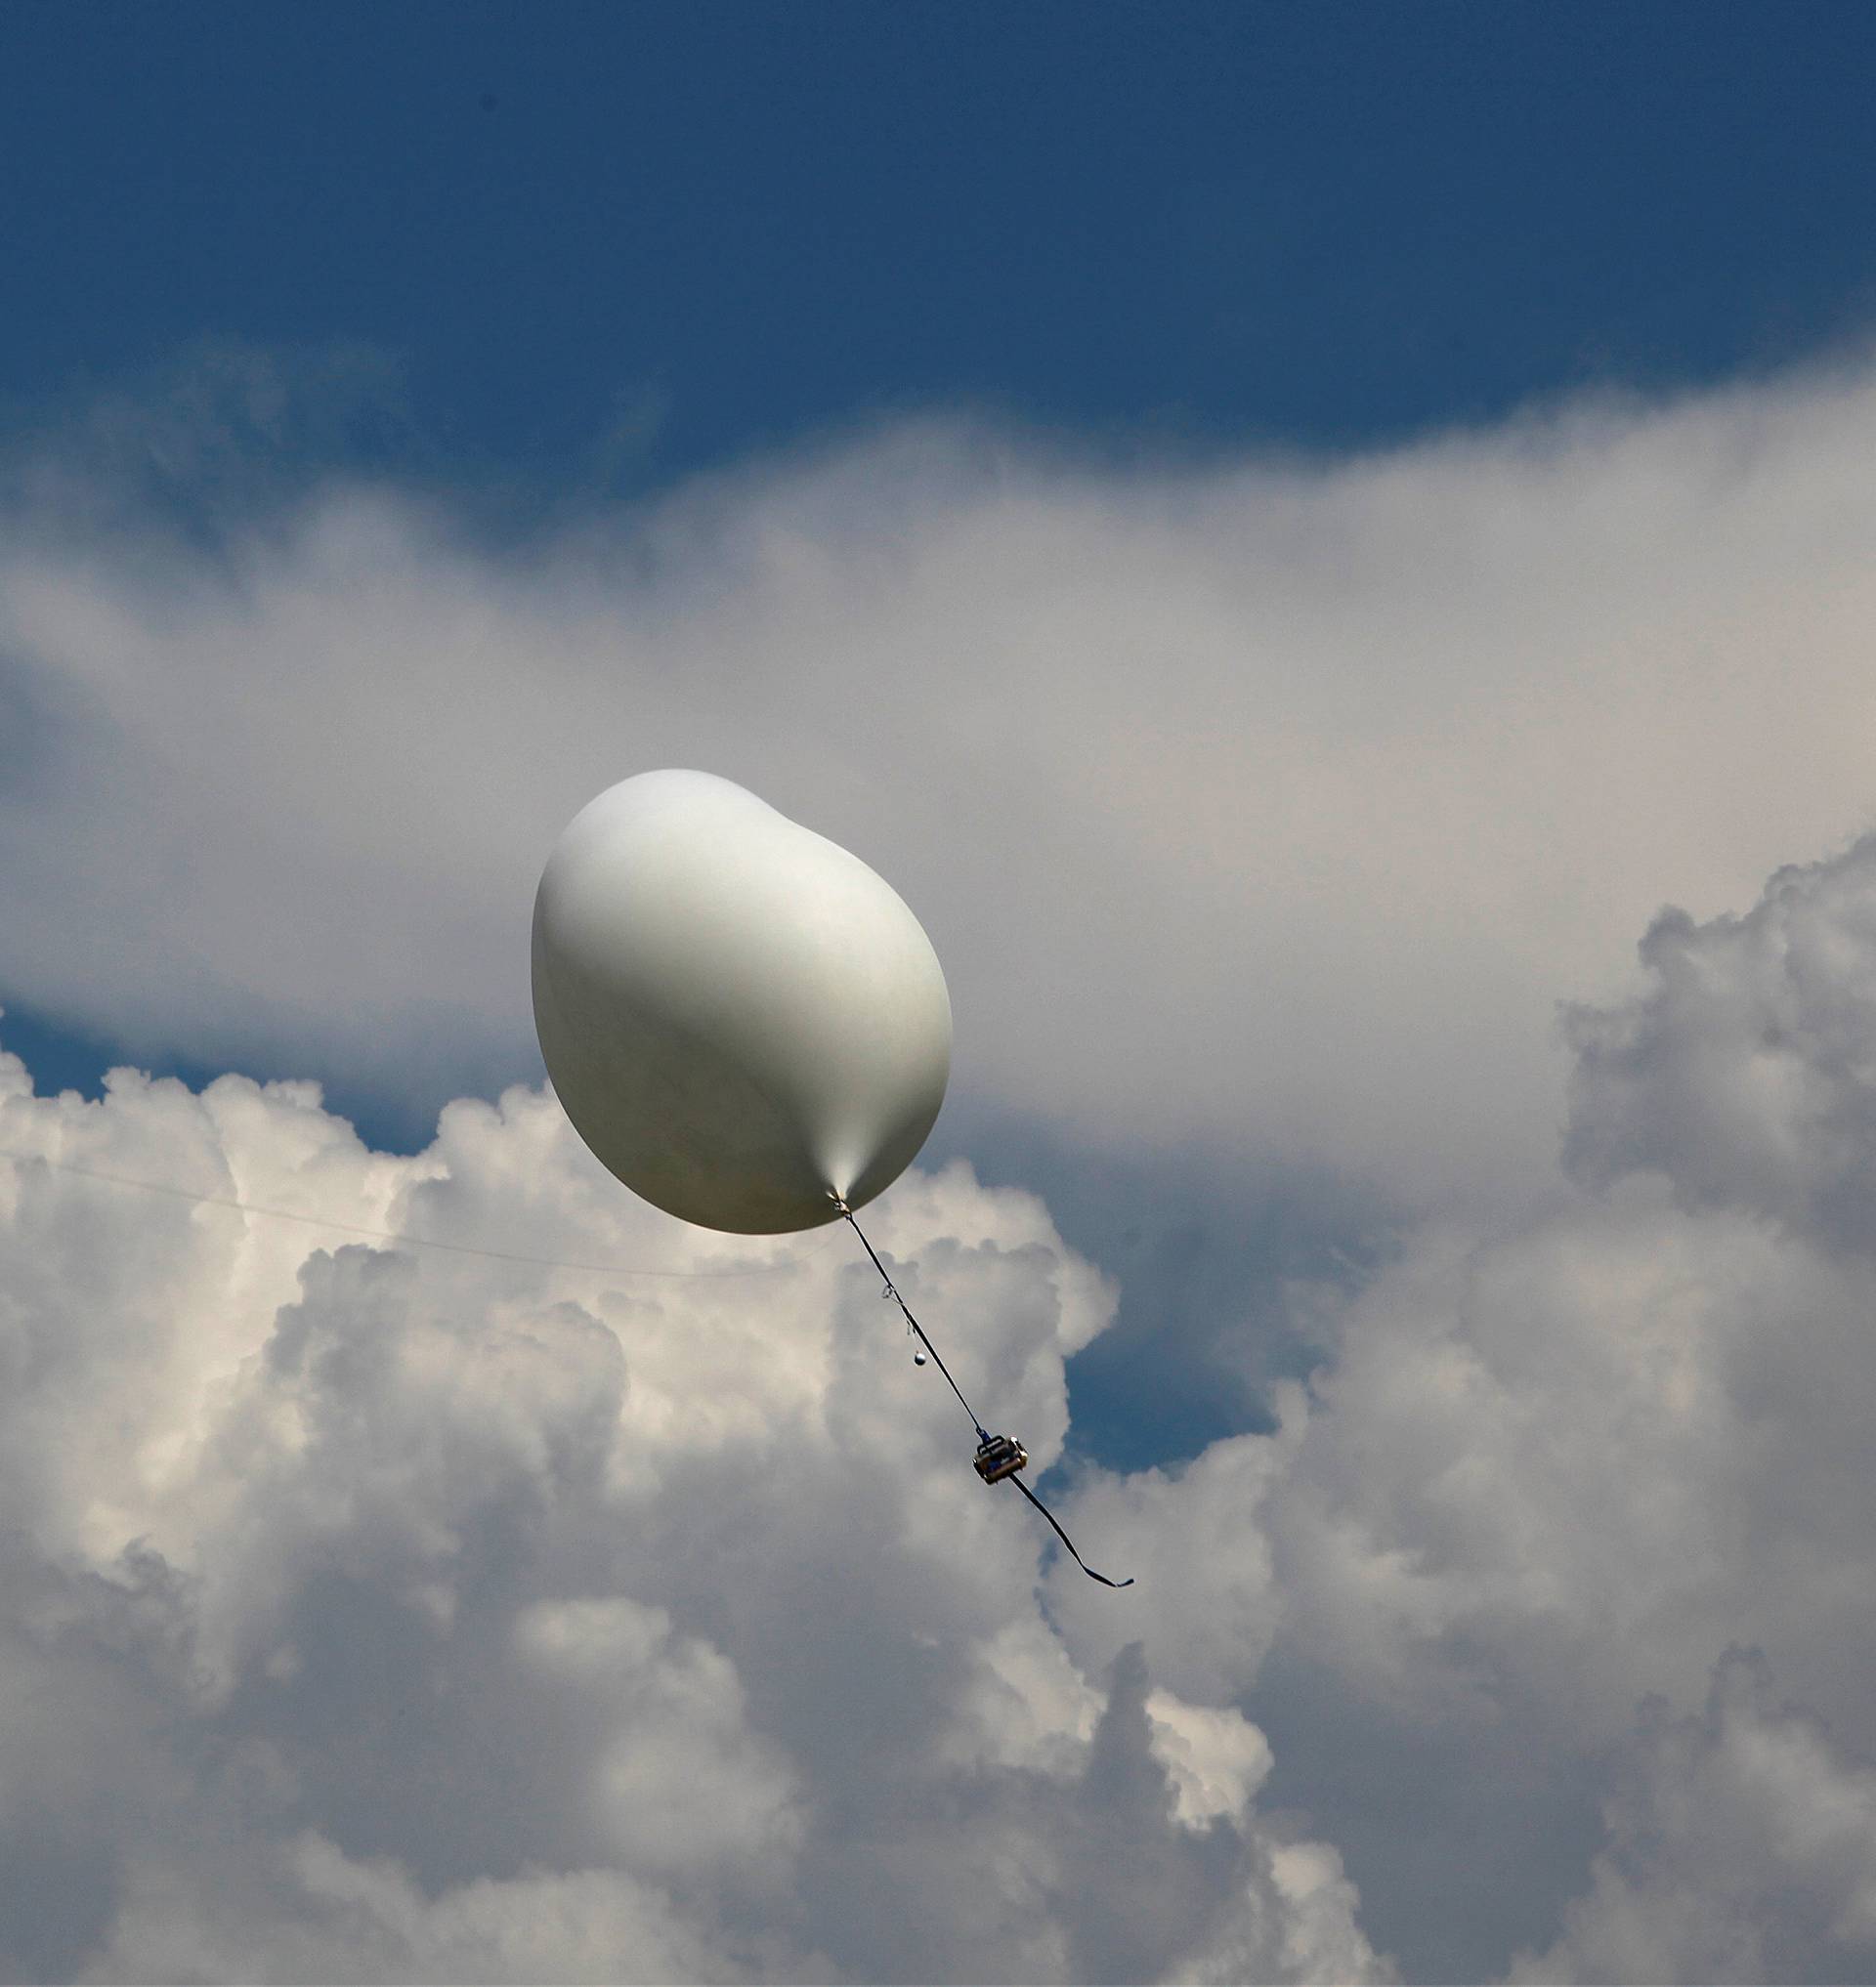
(983,1433)
(597,1269)
(892,1290)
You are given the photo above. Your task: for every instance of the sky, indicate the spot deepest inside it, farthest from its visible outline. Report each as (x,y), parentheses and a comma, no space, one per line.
(1324,551)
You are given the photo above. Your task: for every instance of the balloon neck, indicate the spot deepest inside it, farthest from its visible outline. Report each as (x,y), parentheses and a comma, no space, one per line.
(841,1173)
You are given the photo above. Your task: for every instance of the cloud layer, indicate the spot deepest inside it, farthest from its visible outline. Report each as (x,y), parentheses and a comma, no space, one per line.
(1557,1470)
(388,1612)
(482,1617)
(375,1610)
(1181,765)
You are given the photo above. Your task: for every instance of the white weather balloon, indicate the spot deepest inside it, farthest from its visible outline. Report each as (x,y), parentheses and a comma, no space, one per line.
(741,1018)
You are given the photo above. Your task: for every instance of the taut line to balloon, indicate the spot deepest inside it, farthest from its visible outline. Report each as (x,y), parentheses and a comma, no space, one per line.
(892,1290)
(999,1457)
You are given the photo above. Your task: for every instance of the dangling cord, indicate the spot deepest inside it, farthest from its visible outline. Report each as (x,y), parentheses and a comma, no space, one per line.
(983,1433)
(892,1290)
(1066,1540)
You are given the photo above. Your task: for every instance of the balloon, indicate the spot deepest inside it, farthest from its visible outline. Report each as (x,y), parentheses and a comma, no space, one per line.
(740,1019)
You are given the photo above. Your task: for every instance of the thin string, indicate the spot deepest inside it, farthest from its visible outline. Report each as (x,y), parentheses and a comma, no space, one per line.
(983,1433)
(892,1290)
(600,1269)
(24,1159)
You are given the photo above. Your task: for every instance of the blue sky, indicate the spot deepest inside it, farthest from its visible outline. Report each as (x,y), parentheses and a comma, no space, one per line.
(680,233)
(1289,534)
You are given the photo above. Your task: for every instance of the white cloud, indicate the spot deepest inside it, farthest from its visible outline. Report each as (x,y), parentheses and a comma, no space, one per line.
(463,1603)
(1182,766)
(684,1785)
(1741,1846)
(1555,1468)
(383,1612)
(1746,1071)
(334,1919)
(1263,811)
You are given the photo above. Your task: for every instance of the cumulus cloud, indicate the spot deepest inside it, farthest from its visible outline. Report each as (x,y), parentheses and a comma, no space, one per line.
(486,1617)
(387,1612)
(1745,1071)
(1741,1846)
(483,1615)
(1555,1470)
(1180,764)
